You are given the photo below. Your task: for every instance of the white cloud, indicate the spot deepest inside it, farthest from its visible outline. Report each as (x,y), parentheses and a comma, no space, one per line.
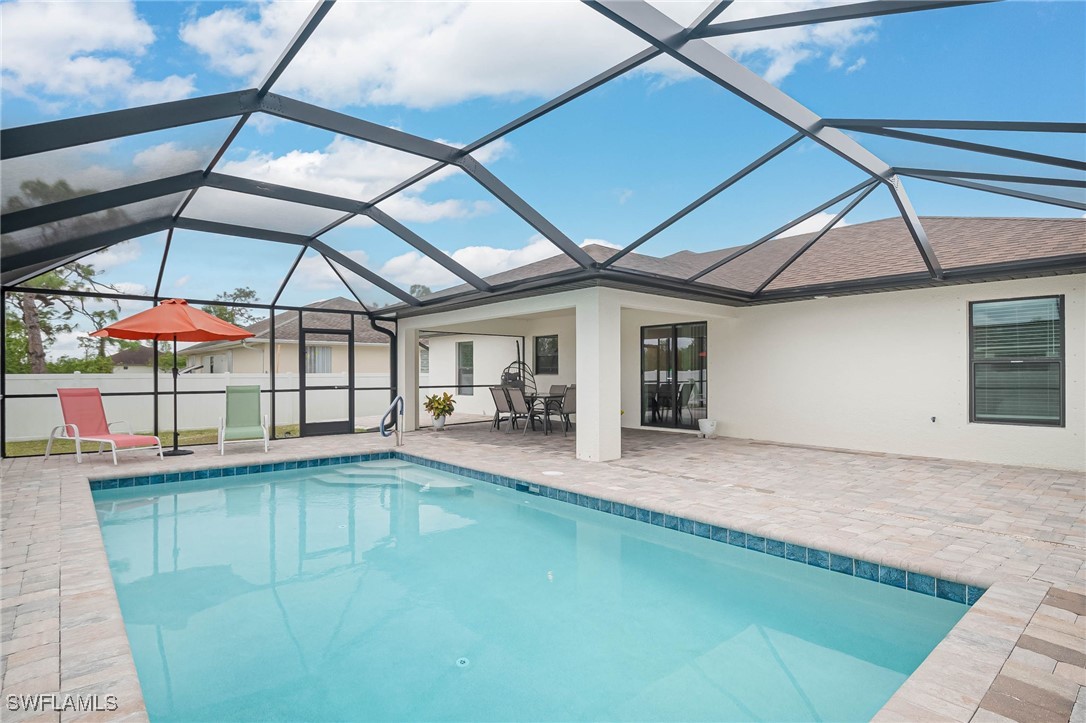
(101,166)
(130,307)
(314,273)
(776,53)
(426,55)
(360,170)
(599,242)
(117,255)
(181,281)
(66,343)
(59,52)
(414,268)
(624,195)
(813,225)
(170,156)
(860,63)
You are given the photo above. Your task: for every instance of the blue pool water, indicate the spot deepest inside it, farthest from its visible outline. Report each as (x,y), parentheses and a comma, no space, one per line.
(388,591)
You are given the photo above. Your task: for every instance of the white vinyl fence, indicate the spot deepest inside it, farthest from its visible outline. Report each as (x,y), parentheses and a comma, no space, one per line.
(29,419)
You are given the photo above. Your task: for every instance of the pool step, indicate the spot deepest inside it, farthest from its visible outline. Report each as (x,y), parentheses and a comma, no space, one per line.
(378,475)
(359,475)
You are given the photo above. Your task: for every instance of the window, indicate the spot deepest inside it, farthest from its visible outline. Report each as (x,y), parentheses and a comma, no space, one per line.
(465,367)
(318,359)
(424,359)
(218,363)
(1017,361)
(546,354)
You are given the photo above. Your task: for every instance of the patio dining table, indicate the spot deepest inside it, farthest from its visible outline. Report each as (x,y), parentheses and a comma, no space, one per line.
(548,399)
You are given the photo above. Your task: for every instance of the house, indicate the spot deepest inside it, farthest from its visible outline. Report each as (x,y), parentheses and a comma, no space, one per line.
(846,343)
(456,361)
(138,360)
(325,352)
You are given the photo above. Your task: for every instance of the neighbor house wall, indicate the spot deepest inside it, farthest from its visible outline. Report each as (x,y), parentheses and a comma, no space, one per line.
(869,373)
(256,358)
(132,369)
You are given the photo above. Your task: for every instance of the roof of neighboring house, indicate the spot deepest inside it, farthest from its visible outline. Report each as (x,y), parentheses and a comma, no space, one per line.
(286,326)
(849,253)
(142,356)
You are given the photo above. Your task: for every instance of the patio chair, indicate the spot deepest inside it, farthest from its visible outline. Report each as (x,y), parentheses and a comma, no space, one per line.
(522,410)
(85,421)
(242,422)
(501,406)
(685,392)
(664,400)
(566,407)
(558,389)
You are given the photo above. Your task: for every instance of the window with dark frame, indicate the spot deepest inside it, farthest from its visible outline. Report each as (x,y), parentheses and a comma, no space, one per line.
(465,368)
(546,354)
(1017,361)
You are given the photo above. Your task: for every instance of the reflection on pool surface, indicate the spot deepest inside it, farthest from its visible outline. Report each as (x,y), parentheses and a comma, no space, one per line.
(388,591)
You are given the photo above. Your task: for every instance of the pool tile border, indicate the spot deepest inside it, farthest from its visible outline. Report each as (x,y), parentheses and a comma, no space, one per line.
(887,575)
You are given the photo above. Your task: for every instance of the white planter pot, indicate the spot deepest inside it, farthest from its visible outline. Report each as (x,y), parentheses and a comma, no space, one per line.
(439,422)
(707,428)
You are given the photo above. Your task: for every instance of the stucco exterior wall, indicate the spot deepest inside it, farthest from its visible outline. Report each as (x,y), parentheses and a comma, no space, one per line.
(861,372)
(869,372)
(491,355)
(565,326)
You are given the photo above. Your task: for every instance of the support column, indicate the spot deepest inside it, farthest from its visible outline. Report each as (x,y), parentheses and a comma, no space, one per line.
(407,341)
(599,388)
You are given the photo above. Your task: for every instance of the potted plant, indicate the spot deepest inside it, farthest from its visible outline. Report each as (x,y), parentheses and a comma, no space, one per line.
(439,407)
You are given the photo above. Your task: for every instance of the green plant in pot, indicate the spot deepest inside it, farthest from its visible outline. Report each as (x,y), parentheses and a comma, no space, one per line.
(439,406)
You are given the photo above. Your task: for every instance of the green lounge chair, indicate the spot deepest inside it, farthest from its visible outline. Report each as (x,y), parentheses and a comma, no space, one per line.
(243,421)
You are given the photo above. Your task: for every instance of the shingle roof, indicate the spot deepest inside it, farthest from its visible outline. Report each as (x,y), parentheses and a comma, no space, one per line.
(286,325)
(861,251)
(142,356)
(885,248)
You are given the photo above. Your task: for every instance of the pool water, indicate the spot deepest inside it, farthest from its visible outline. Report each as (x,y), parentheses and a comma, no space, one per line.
(389,591)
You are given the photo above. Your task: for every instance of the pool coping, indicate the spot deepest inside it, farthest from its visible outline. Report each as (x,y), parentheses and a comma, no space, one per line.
(941,687)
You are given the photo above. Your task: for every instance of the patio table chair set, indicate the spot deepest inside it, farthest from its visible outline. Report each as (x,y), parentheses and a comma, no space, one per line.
(512,404)
(85,422)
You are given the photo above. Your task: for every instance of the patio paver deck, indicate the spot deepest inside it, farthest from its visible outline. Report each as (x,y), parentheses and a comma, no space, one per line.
(1018,531)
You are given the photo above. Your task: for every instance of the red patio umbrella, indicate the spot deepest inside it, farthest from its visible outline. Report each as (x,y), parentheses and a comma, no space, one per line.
(174,319)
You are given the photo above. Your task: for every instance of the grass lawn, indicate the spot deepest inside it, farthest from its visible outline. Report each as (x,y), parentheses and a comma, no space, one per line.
(189,438)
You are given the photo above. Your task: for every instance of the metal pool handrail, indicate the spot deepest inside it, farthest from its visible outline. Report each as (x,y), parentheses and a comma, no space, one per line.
(394,414)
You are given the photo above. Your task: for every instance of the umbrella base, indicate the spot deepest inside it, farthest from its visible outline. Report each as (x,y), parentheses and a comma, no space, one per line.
(177,452)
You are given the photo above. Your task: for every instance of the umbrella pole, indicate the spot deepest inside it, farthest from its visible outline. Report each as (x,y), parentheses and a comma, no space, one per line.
(175,452)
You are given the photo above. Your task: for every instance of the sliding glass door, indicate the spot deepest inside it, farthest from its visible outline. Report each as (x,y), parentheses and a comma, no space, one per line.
(674,383)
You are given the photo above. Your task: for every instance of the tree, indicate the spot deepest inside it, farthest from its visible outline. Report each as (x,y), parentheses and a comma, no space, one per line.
(420,290)
(237,315)
(44,314)
(86,365)
(166,359)
(16,360)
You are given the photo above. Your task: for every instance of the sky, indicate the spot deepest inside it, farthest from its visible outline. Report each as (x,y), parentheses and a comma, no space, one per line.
(604,169)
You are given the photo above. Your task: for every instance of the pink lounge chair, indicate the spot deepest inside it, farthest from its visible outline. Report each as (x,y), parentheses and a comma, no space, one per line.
(85,421)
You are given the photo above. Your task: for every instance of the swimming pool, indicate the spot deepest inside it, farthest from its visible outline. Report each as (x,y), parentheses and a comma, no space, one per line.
(383,590)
